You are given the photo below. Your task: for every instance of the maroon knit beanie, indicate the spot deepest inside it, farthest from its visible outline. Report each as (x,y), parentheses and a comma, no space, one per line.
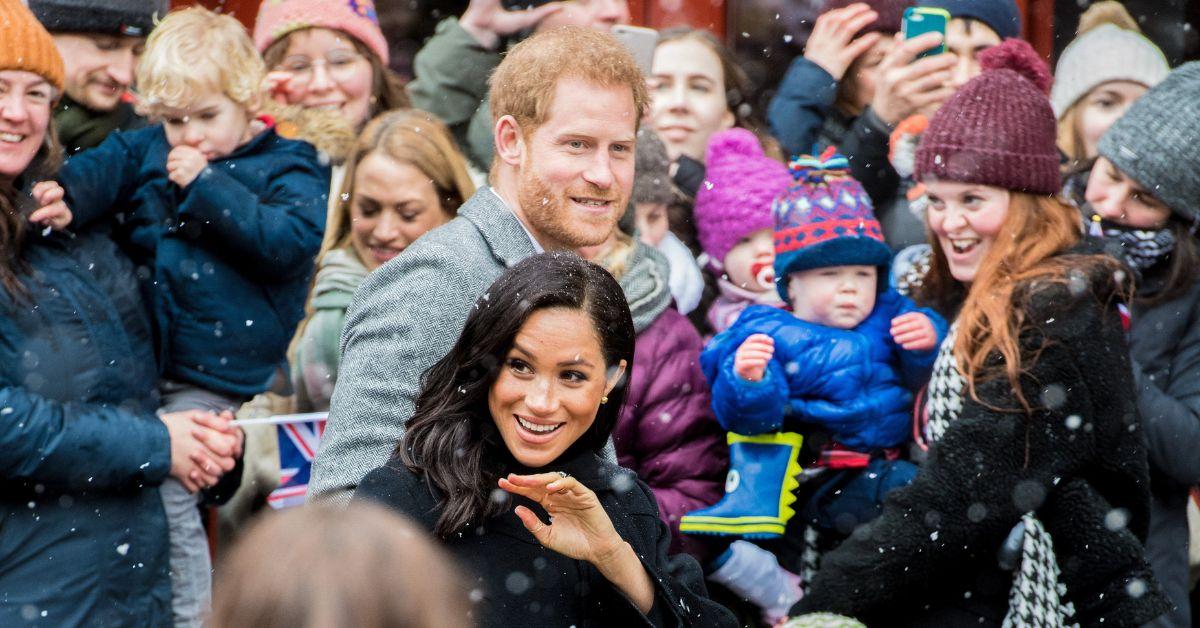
(891,13)
(999,129)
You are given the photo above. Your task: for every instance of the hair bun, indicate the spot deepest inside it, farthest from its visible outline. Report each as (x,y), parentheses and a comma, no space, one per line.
(1017,55)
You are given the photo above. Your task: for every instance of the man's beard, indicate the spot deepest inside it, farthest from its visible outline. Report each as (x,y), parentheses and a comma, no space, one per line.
(553,219)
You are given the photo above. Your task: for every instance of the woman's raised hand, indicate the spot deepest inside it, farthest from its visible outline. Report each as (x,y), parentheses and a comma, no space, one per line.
(833,44)
(579,528)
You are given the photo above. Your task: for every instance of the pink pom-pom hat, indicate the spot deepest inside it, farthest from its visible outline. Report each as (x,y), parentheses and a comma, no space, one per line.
(739,186)
(357,18)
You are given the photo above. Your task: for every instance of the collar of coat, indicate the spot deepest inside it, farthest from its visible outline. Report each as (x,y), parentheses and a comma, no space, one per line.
(499,227)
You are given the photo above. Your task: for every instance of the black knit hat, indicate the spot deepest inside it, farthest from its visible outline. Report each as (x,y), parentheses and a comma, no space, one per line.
(132,18)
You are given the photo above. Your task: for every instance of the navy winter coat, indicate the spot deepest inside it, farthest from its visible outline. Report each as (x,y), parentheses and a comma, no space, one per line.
(229,256)
(799,109)
(855,383)
(83,536)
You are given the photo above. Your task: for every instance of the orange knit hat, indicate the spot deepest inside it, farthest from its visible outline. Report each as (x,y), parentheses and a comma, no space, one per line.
(26,45)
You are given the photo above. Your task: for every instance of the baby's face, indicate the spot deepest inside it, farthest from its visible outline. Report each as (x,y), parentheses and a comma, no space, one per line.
(750,263)
(213,124)
(834,296)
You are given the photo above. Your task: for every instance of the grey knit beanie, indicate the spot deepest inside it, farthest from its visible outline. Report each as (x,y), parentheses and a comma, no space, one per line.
(1157,142)
(132,18)
(652,170)
(1108,48)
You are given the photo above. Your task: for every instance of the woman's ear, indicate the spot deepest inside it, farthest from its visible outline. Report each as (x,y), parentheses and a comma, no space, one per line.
(614,377)
(509,140)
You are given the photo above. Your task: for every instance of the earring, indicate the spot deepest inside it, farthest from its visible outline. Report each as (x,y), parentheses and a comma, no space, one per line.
(604,400)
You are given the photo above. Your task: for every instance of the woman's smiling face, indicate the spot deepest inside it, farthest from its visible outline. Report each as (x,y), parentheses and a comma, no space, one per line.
(550,385)
(965,218)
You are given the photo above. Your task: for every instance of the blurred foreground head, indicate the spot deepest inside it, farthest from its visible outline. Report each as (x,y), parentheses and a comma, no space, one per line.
(362,567)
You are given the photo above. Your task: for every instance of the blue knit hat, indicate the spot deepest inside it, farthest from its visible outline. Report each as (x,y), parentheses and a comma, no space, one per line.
(1001,15)
(825,219)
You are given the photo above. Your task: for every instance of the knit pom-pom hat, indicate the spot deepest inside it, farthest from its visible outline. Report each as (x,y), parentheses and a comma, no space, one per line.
(739,185)
(27,45)
(1110,47)
(823,219)
(357,18)
(999,129)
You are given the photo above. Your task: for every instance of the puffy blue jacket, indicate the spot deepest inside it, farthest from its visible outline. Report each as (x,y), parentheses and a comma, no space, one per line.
(227,259)
(83,536)
(855,383)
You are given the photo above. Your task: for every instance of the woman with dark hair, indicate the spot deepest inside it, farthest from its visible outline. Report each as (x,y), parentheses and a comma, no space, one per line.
(698,90)
(83,537)
(1032,504)
(517,415)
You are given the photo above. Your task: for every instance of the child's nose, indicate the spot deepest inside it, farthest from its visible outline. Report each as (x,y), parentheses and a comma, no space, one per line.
(192,136)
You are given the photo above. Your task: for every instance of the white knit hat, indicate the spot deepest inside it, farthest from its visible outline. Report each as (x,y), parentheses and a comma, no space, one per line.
(1103,54)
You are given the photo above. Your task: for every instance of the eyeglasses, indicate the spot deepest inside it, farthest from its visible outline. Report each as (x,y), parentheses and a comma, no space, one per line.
(339,66)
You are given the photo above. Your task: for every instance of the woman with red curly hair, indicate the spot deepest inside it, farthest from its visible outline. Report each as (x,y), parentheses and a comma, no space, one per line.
(1033,503)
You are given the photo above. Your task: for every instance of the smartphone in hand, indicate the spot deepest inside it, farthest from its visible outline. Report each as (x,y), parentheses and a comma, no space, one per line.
(921,20)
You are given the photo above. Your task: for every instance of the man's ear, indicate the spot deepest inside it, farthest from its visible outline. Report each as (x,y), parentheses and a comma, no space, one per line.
(509,140)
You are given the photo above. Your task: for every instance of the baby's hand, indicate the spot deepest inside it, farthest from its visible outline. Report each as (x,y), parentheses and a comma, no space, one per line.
(914,332)
(184,164)
(52,212)
(750,361)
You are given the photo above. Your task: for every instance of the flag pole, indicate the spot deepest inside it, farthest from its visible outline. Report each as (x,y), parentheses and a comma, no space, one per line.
(283,419)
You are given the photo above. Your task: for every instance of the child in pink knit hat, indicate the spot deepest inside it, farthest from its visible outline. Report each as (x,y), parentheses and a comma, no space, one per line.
(734,225)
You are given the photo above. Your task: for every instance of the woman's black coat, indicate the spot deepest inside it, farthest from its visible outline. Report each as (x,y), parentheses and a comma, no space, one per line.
(517,582)
(1078,462)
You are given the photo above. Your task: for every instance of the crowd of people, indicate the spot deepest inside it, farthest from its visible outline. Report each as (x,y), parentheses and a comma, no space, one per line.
(596,342)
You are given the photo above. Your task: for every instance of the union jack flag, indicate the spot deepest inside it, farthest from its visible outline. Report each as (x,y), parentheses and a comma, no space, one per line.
(297,447)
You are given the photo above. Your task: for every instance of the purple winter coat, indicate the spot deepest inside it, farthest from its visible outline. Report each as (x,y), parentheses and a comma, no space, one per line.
(667,433)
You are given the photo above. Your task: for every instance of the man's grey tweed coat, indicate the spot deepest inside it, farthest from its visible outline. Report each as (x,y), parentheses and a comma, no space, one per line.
(406,315)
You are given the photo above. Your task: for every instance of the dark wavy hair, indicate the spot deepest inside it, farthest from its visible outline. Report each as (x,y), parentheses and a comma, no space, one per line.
(451,438)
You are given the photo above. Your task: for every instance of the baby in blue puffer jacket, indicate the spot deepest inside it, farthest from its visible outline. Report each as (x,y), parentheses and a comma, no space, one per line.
(842,363)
